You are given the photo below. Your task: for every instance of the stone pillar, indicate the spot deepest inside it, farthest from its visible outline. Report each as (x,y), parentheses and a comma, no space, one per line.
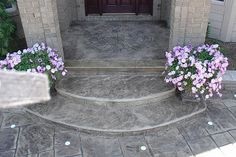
(81,9)
(40,22)
(189,21)
(165,11)
(156,9)
(229,22)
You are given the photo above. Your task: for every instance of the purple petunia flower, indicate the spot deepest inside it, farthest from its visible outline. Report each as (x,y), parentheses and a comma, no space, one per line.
(54,66)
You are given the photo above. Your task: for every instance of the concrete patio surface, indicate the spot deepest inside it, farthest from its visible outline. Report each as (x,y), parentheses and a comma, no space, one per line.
(210,134)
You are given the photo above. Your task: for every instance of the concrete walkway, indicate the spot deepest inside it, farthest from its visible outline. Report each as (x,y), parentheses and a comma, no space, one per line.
(211,134)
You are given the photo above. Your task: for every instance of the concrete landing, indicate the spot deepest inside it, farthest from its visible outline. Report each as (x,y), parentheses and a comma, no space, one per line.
(116,40)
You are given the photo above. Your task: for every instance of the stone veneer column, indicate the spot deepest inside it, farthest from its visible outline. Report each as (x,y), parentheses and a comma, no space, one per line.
(80,9)
(189,21)
(40,22)
(229,21)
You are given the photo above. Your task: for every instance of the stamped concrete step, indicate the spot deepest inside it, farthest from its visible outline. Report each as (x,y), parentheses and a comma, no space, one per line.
(108,118)
(229,79)
(120,17)
(116,89)
(116,65)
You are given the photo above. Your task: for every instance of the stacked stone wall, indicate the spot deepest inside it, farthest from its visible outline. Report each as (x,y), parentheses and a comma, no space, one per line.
(67,13)
(40,22)
(188,21)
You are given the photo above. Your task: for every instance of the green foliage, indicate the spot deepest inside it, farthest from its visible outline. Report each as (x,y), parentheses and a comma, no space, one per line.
(204,56)
(211,41)
(7,28)
(32,61)
(208,30)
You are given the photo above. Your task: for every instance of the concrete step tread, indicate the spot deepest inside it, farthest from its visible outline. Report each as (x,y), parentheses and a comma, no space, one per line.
(229,79)
(115,88)
(230,76)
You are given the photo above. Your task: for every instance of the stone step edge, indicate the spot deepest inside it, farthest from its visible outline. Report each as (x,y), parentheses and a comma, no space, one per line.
(161,96)
(229,79)
(103,64)
(114,67)
(140,130)
(118,17)
(114,70)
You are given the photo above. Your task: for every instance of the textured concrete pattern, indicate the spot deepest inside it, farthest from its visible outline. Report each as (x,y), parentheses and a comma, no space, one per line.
(121,40)
(115,87)
(116,119)
(24,135)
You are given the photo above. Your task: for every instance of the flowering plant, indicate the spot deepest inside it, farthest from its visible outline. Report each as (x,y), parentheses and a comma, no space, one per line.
(38,59)
(198,70)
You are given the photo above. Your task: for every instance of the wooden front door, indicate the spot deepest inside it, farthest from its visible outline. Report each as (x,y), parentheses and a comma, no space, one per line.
(118,6)
(92,7)
(145,6)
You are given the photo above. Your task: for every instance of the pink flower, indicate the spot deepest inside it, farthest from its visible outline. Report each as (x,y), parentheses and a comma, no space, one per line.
(63,73)
(205,75)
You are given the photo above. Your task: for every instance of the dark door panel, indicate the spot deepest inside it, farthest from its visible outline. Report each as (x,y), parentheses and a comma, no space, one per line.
(92,6)
(145,6)
(119,6)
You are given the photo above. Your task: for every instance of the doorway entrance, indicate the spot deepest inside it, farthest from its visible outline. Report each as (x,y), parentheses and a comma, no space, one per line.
(119,6)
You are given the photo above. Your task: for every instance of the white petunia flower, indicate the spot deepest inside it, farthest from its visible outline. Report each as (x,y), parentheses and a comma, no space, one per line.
(48,67)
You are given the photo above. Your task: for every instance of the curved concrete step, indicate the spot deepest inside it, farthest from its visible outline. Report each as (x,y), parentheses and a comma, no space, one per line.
(115,65)
(116,89)
(116,119)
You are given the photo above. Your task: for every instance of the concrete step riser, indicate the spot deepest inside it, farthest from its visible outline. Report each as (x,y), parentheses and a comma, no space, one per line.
(116,120)
(123,102)
(115,17)
(112,64)
(127,89)
(114,70)
(229,80)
